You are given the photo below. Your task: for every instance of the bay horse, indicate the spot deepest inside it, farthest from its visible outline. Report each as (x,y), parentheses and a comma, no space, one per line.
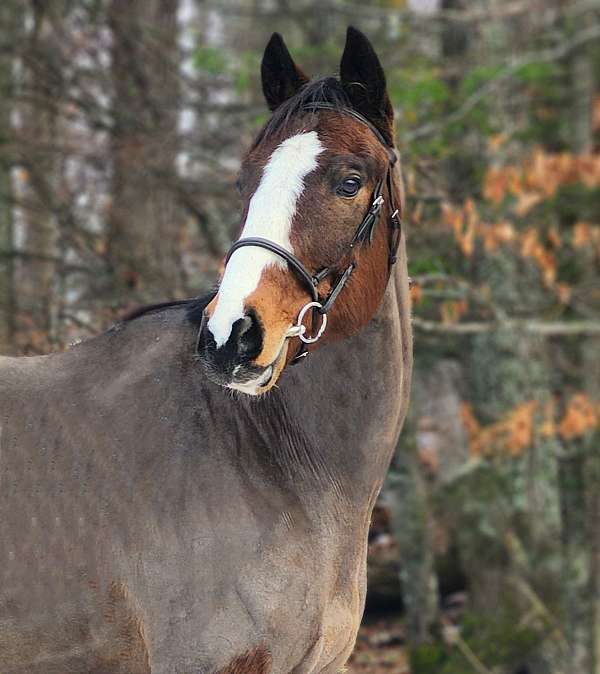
(175,497)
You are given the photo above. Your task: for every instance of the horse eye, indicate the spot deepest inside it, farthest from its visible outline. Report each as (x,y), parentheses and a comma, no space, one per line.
(238,186)
(349,187)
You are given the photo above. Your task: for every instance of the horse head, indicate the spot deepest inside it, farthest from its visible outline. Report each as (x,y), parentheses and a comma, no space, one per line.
(320,223)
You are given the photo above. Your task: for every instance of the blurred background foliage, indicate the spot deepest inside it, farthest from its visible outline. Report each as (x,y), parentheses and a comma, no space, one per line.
(121,129)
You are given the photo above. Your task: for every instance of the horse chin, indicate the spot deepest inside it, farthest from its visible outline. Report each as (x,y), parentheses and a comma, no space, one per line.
(267,379)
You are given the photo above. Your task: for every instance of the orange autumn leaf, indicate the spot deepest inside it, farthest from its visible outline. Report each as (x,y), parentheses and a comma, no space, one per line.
(582,234)
(514,179)
(554,237)
(520,428)
(496,234)
(587,169)
(536,179)
(472,219)
(563,292)
(463,223)
(453,310)
(468,418)
(585,234)
(494,186)
(579,418)
(529,242)
(411,183)
(531,247)
(526,201)
(504,231)
(496,141)
(544,172)
(511,435)
(417,214)
(416,293)
(452,217)
(547,263)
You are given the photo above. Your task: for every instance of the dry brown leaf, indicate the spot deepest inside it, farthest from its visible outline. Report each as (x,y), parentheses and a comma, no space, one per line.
(580,417)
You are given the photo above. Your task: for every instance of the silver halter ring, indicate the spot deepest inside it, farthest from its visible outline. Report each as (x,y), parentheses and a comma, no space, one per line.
(299,330)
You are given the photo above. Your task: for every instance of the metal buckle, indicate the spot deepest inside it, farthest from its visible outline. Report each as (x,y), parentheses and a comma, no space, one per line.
(377,204)
(299,330)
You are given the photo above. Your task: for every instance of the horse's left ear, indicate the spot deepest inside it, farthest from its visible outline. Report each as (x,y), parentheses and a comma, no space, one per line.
(281,77)
(363,81)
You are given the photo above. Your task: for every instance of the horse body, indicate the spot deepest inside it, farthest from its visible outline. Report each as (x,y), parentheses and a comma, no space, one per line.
(153,521)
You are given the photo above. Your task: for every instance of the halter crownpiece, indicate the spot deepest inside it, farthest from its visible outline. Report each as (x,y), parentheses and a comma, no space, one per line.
(364,232)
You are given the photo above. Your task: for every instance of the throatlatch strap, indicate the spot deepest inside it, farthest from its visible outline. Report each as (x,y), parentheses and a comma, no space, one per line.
(396,221)
(337,288)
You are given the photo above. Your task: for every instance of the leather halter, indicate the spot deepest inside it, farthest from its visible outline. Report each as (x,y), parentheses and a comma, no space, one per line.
(364,232)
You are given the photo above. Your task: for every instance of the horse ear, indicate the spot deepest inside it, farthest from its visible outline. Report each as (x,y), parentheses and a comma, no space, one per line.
(281,77)
(363,81)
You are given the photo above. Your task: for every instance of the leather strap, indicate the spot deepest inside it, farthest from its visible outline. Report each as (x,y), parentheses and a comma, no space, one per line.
(337,288)
(366,228)
(353,113)
(292,260)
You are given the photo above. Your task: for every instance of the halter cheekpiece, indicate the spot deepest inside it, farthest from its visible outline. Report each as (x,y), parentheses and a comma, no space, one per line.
(318,305)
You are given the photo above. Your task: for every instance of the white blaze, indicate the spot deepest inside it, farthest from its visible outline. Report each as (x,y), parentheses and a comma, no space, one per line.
(270,216)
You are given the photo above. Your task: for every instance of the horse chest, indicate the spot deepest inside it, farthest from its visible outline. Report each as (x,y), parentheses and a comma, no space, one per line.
(294,591)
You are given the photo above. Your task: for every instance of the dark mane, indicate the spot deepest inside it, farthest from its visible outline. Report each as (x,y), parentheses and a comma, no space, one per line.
(194,308)
(320,90)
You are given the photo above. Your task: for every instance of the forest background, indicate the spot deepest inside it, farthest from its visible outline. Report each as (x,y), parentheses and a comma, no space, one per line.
(121,129)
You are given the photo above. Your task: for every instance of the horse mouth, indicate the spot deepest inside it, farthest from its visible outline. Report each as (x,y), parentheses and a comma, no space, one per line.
(266,379)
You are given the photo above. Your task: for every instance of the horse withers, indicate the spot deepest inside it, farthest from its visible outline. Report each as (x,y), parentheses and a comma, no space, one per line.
(175,497)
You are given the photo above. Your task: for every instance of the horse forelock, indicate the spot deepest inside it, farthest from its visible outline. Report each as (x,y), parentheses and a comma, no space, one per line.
(319,90)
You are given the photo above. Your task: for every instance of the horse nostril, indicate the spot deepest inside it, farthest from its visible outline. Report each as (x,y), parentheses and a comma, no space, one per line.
(248,333)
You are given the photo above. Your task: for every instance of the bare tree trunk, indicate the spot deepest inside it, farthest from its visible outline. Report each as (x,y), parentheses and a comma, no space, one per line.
(575,558)
(591,361)
(145,222)
(579,471)
(455,46)
(412,527)
(38,134)
(9,17)
(582,94)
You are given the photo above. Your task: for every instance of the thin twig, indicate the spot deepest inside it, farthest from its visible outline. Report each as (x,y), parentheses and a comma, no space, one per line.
(467,651)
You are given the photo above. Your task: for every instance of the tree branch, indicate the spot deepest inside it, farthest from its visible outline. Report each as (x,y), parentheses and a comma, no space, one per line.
(543,56)
(544,328)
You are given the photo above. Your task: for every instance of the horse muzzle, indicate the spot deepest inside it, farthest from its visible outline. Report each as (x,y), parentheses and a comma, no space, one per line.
(233,364)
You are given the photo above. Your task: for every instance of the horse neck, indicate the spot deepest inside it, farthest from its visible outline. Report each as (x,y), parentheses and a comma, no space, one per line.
(350,398)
